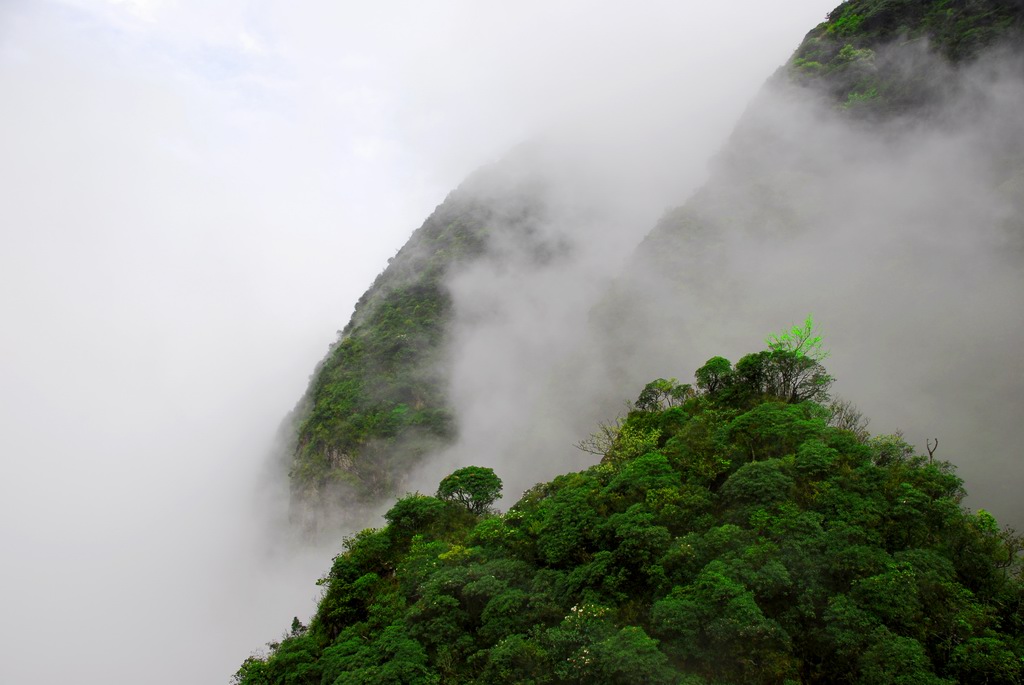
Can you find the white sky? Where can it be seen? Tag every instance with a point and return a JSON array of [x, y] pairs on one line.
[[192, 196]]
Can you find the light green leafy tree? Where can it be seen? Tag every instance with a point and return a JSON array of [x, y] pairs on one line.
[[802, 340]]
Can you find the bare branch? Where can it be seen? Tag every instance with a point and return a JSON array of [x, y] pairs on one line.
[[601, 442], [846, 416]]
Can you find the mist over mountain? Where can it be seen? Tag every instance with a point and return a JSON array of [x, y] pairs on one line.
[[197, 193], [899, 227], [874, 181], [743, 528], [485, 306]]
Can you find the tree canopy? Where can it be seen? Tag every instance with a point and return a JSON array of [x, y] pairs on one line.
[[475, 487], [732, 533]]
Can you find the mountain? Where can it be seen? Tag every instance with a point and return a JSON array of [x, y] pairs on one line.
[[376, 404], [379, 404], [735, 531], [745, 528], [499, 278]]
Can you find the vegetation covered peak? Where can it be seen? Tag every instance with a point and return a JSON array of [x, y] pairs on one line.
[[742, 529]]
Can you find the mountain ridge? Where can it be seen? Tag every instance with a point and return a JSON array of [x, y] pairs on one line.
[[732, 531]]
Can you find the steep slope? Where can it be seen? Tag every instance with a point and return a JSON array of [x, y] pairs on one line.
[[734, 532], [500, 276], [377, 403]]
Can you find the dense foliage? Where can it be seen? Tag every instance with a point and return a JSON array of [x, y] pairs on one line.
[[474, 487], [733, 532]]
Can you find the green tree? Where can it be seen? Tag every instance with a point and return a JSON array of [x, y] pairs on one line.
[[663, 394], [716, 627], [896, 660], [785, 374], [773, 429], [757, 483], [803, 341], [253, 671], [413, 514], [714, 375], [629, 656], [986, 660], [517, 659], [475, 487]]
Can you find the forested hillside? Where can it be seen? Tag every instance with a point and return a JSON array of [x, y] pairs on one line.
[[745, 528], [739, 530]]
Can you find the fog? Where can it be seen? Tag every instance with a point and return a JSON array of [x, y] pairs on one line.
[[901, 235], [195, 195]]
